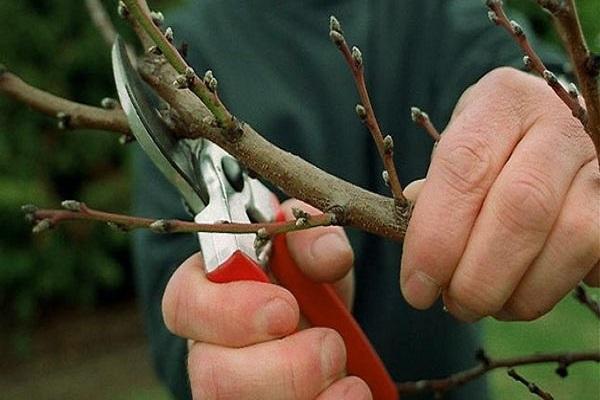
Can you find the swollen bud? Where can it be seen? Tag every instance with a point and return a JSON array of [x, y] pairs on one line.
[[71, 205], [361, 111], [334, 25], [357, 56]]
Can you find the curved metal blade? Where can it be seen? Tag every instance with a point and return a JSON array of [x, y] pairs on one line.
[[175, 159]]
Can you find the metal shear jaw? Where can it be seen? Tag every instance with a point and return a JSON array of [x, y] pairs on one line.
[[233, 197], [211, 181]]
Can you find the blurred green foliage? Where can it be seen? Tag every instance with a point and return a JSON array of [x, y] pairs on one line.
[[53, 45]]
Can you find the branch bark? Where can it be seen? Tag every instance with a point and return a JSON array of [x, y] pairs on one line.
[[71, 115], [44, 219], [586, 65], [351, 204], [487, 365]]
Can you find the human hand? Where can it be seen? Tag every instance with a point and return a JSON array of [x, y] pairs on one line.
[[507, 221], [243, 342]]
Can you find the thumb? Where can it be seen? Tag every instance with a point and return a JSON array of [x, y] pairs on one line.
[[412, 190], [323, 254]]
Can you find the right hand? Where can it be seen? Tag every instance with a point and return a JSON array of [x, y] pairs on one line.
[[243, 338]]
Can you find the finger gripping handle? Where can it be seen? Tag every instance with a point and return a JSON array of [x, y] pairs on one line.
[[321, 305]]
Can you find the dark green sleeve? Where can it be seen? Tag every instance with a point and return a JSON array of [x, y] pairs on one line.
[[278, 71]]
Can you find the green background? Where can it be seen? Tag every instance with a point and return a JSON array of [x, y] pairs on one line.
[[86, 267]]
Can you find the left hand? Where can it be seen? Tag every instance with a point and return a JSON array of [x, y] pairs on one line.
[[507, 221]]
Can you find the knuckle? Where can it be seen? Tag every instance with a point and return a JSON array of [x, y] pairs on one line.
[[527, 203], [525, 309], [478, 296], [466, 164], [508, 80], [207, 379]]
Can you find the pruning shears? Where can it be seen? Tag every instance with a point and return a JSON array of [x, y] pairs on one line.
[[216, 188]]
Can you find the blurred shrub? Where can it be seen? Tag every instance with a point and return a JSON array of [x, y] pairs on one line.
[[53, 45]]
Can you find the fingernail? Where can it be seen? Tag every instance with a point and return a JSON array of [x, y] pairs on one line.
[[420, 290], [331, 356], [274, 317], [330, 245]]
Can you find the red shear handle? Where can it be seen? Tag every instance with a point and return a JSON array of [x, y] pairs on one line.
[[238, 267], [320, 304]]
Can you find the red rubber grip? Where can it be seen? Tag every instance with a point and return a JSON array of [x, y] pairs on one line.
[[320, 304]]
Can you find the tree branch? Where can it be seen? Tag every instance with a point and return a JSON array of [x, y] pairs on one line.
[[585, 64], [70, 115], [567, 17], [44, 219], [487, 364], [102, 21], [351, 204], [584, 298], [533, 388], [365, 111], [205, 89], [422, 119]]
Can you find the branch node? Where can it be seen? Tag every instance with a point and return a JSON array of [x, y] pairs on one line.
[[357, 57], [235, 131], [108, 103], [210, 81], [64, 120], [337, 38], [493, 17], [157, 18], [122, 10], [169, 34], [361, 112], [42, 226], [386, 177], [262, 234], [160, 226], [550, 78], [71, 205], [573, 91], [528, 63], [482, 357], [516, 28], [388, 144], [301, 222], [29, 209], [155, 50], [117, 227], [299, 213], [334, 25], [126, 139], [181, 82], [592, 65]]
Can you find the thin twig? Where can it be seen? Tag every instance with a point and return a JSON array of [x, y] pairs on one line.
[[533, 61], [365, 111], [422, 119], [584, 298], [44, 219], [70, 115], [102, 21], [487, 364], [533, 388], [585, 64]]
